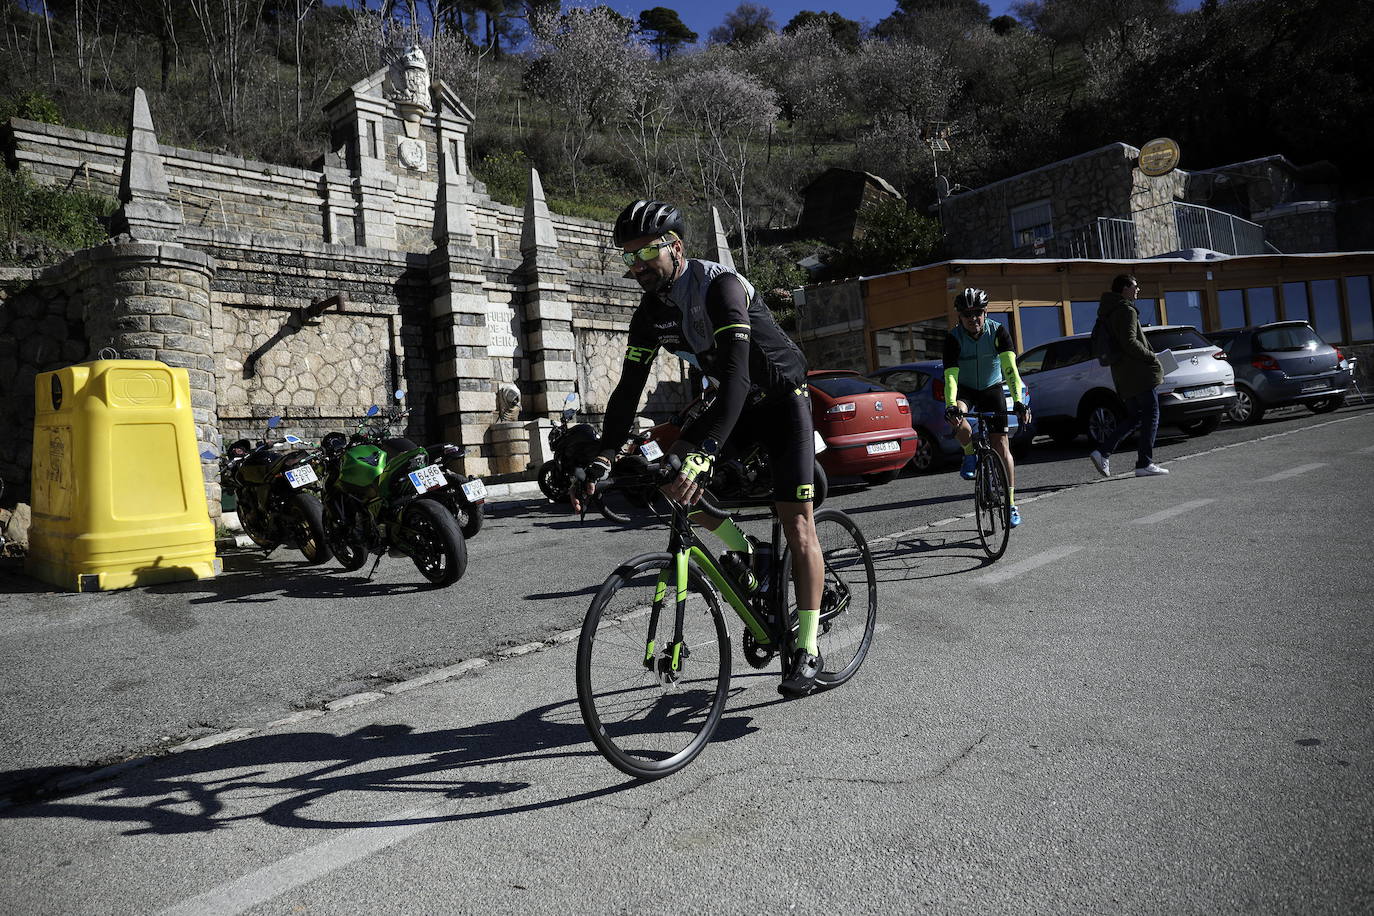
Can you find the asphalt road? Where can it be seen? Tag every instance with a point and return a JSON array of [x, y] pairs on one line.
[[1158, 701]]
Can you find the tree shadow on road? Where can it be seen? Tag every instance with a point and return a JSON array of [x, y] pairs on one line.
[[284, 778]]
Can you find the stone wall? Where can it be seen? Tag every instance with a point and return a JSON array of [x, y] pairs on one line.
[[1303, 226]]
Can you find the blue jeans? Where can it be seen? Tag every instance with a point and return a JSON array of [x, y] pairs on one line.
[[1142, 411]]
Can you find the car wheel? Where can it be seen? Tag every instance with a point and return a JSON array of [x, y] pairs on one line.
[[1102, 420], [880, 478], [1248, 408], [927, 457], [1325, 405], [1200, 427]]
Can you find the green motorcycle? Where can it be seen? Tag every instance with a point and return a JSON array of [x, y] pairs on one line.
[[381, 497]]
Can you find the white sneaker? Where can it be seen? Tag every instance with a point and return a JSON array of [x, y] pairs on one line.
[[1101, 462], [1151, 470]]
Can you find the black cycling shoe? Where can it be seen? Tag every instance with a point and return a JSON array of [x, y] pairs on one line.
[[801, 676]]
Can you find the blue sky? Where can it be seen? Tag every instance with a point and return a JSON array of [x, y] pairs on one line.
[[701, 16]]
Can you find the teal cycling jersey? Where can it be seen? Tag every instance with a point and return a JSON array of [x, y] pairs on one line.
[[976, 357]]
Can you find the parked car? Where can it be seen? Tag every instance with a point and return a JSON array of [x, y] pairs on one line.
[[1282, 363], [866, 425], [924, 385], [1072, 393]]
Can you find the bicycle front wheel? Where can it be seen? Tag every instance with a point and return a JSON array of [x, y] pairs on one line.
[[849, 597], [648, 715], [992, 507]]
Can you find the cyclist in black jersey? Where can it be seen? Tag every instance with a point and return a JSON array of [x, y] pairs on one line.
[[710, 316]]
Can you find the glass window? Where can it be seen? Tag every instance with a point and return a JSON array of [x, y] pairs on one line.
[[1031, 222], [1040, 323], [1262, 308], [1286, 337], [1295, 301], [1358, 304], [907, 380], [1084, 315], [1032, 361], [1231, 302], [1069, 352], [1176, 339], [1149, 311], [1326, 310], [839, 386], [1183, 306]]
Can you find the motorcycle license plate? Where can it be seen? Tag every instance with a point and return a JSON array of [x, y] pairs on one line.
[[428, 478], [475, 490], [882, 448], [820, 442], [651, 451], [299, 477]]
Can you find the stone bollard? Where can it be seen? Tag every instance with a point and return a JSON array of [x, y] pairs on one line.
[[540, 450], [510, 448]]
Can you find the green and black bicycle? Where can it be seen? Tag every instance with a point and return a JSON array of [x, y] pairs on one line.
[[654, 659], [991, 490]]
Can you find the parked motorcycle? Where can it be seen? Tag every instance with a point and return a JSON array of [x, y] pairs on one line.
[[380, 497], [466, 494], [274, 493], [574, 446]]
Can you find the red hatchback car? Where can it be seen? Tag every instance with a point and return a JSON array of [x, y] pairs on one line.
[[866, 425]]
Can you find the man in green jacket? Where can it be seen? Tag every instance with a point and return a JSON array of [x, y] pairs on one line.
[[1136, 372]]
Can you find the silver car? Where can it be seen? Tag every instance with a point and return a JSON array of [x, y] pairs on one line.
[[1071, 393]]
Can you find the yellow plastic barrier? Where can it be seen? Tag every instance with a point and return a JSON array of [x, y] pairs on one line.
[[118, 493]]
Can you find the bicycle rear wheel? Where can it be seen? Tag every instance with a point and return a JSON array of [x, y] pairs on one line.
[[646, 719], [992, 507], [849, 597]]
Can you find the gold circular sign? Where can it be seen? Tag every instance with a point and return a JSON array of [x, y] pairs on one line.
[[1159, 157]]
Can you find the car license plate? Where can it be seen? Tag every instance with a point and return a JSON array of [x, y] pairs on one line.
[[1210, 391], [1314, 386], [820, 442], [299, 477], [882, 448], [430, 477], [651, 451], [475, 490]]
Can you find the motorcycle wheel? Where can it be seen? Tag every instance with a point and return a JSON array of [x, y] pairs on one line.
[[549, 479], [350, 553], [612, 506], [469, 519], [432, 539], [254, 525], [307, 518]]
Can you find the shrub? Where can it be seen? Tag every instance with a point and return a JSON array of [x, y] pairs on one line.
[[62, 219]]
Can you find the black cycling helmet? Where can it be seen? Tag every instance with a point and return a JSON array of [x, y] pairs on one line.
[[647, 217], [971, 300]]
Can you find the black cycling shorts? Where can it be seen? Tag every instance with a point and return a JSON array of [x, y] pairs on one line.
[[781, 424], [992, 399]]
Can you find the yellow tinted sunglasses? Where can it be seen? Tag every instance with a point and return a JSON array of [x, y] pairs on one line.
[[647, 253]]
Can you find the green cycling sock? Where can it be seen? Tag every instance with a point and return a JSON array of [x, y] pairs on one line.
[[968, 449], [808, 622], [1011, 496]]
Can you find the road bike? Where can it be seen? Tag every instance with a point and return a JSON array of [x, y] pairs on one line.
[[991, 492], [654, 657]]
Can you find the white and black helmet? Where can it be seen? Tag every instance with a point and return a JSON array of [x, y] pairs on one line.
[[647, 217], [971, 300]]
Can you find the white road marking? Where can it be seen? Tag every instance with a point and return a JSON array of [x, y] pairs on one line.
[[305, 866], [1004, 573], [1291, 472], [1367, 449], [1170, 513]]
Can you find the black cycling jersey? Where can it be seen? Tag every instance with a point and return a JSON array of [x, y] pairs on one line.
[[712, 318]]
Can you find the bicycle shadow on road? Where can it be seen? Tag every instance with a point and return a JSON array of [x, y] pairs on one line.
[[283, 778], [252, 578]]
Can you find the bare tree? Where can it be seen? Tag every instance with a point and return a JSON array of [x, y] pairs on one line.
[[639, 134], [588, 66], [729, 112], [230, 30]]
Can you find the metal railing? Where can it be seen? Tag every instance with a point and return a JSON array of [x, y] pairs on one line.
[[1104, 237], [1203, 227]]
